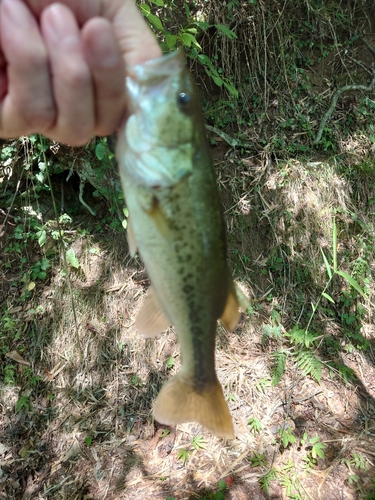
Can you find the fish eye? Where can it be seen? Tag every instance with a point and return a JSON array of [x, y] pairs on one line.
[[184, 102]]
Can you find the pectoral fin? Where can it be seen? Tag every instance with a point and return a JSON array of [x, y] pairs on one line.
[[151, 320], [236, 300], [159, 219]]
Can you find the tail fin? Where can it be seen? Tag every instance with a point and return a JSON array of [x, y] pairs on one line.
[[179, 402]]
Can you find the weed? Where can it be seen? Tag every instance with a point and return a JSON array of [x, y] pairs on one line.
[[255, 425], [287, 437], [23, 402], [183, 455], [258, 460], [198, 442]]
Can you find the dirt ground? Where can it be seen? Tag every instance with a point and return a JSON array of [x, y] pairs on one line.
[[77, 422]]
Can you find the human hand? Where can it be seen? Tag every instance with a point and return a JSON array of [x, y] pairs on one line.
[[62, 66]]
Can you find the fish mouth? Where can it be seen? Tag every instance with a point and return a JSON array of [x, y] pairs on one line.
[[160, 68]]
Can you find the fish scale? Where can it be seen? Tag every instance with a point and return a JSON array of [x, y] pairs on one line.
[[176, 222]]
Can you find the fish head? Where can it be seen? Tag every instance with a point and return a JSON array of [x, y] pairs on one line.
[[156, 144]]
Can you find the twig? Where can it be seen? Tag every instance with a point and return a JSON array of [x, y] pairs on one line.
[[234, 143], [335, 97], [369, 46], [346, 88]]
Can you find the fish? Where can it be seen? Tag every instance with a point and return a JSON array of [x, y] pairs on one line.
[[176, 224]]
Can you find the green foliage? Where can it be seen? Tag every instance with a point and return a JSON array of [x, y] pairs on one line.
[[309, 364], [23, 402], [258, 460], [170, 363], [278, 363], [187, 36], [71, 258], [266, 479], [183, 455], [287, 437], [198, 442], [9, 374], [255, 425]]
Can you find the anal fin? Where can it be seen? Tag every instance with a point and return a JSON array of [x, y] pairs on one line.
[[151, 320]]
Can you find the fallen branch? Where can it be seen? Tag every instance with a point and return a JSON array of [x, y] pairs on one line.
[[346, 88], [335, 97]]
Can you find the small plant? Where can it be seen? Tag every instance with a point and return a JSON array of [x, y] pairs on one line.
[[267, 478], [255, 425], [183, 455], [287, 437], [88, 440], [258, 460], [9, 378], [170, 363], [23, 402], [315, 449], [198, 442]]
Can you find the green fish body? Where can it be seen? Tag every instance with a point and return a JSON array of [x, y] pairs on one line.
[[177, 225]]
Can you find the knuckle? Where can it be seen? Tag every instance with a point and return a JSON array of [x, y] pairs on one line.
[[77, 76], [37, 117]]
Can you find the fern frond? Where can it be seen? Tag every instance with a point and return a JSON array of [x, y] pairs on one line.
[[271, 332], [309, 364], [278, 365]]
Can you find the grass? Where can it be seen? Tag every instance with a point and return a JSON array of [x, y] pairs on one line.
[[94, 413]]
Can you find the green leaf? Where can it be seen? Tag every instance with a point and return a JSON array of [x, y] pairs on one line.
[[145, 9], [42, 237], [328, 297], [198, 442], [159, 3], [71, 258], [351, 281], [155, 21], [328, 267], [231, 89], [88, 440], [222, 485], [278, 366], [170, 40], [100, 151], [170, 362], [188, 40], [219, 82], [227, 32], [334, 245], [44, 264]]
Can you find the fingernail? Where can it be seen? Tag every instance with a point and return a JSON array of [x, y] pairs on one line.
[[59, 24], [107, 52], [16, 13]]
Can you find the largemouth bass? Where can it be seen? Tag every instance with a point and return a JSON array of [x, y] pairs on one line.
[[176, 222]]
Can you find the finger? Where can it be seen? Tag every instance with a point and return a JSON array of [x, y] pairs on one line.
[[28, 105], [71, 79], [3, 77], [108, 71], [136, 40], [82, 9]]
